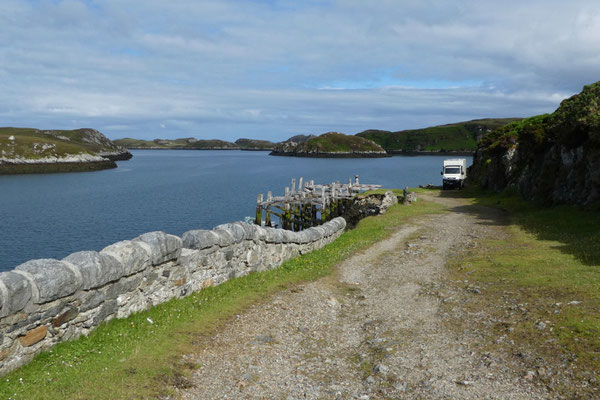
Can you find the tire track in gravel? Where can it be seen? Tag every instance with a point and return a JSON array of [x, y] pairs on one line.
[[373, 330]]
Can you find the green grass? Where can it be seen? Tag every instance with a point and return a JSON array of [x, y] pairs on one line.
[[551, 255], [134, 359]]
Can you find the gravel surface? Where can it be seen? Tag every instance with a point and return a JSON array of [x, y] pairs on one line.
[[376, 329]]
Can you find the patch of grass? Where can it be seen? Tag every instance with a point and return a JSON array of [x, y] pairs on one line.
[[140, 356], [547, 270]]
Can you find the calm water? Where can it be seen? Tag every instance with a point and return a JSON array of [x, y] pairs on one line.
[[53, 215]]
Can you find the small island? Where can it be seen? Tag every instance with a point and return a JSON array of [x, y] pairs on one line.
[[30, 151], [329, 145]]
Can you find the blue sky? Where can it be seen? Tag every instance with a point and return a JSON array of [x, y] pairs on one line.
[[273, 69]]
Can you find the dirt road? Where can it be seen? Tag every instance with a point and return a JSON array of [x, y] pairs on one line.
[[384, 326]]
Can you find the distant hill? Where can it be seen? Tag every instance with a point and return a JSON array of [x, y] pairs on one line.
[[331, 144], [28, 150], [554, 157], [177, 144], [253, 144], [458, 137]]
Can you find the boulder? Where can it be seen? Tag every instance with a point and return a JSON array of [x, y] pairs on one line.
[[53, 278], [97, 269]]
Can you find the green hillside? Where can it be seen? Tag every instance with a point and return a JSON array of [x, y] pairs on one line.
[[457, 137]]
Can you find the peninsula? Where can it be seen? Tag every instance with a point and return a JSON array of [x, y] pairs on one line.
[[27, 150]]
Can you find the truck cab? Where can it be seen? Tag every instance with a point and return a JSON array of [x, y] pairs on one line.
[[454, 173]]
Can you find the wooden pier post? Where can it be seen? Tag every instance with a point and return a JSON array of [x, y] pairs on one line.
[[258, 219]]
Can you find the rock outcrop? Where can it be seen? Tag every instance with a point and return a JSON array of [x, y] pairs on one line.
[[554, 158]]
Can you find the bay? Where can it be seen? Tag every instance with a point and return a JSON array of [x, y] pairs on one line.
[[54, 215]]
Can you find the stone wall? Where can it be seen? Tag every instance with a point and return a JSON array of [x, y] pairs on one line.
[[46, 301]]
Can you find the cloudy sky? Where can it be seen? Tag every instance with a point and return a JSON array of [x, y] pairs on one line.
[[271, 69]]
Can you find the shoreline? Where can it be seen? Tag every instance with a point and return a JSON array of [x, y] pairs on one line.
[[59, 167], [331, 155]]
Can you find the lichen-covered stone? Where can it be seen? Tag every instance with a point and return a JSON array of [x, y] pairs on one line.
[[134, 256], [200, 239], [53, 278], [274, 235], [236, 231], [18, 293], [164, 247], [225, 236], [97, 269]]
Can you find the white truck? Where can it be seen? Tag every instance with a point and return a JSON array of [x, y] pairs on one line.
[[454, 173]]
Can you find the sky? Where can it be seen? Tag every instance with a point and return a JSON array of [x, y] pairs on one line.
[[271, 69]]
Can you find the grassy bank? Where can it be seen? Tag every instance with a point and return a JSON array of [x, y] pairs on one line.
[[542, 286], [140, 357]]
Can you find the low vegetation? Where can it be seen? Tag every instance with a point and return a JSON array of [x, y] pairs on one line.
[[541, 285], [141, 356], [457, 137]]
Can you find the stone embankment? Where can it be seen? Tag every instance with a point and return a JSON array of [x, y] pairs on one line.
[[46, 301]]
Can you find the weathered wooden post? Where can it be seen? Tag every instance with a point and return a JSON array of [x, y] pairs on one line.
[[286, 220], [258, 220], [268, 210], [293, 186]]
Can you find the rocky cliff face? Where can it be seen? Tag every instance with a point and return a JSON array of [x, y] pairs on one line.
[[554, 158]]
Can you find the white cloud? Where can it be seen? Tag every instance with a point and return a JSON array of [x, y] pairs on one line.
[[272, 69]]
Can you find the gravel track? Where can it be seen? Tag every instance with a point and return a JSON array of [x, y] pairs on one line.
[[376, 329]]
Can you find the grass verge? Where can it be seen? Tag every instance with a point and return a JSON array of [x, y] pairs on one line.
[[141, 356], [542, 287]]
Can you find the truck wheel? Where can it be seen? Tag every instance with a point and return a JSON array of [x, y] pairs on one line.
[[444, 187]]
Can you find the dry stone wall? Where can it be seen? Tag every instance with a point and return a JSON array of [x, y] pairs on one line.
[[47, 301]]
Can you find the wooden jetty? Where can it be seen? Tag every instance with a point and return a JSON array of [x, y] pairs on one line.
[[309, 204]]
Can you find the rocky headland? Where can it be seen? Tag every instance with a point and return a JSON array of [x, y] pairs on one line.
[[329, 145], [553, 158], [25, 150], [458, 138]]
